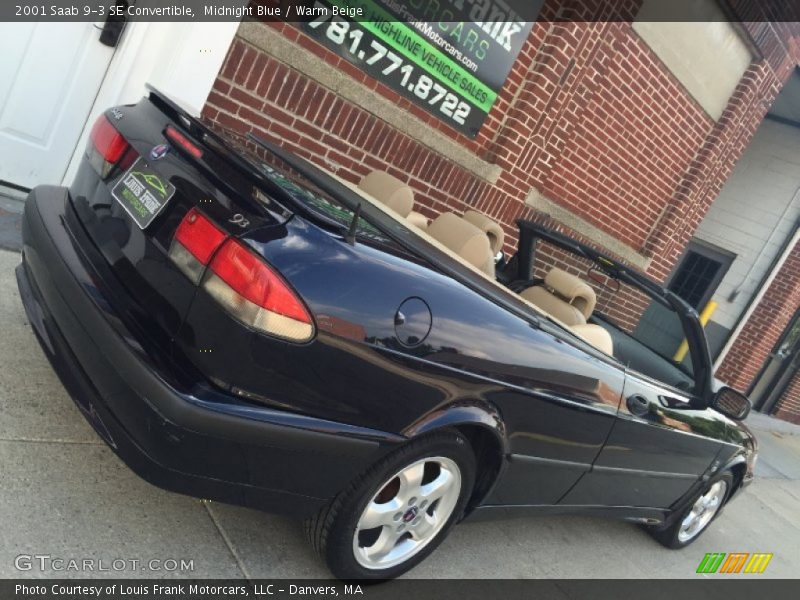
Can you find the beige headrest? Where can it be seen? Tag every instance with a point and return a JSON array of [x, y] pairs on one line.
[[573, 289], [463, 238], [553, 305], [492, 229], [417, 219], [596, 336], [389, 190]]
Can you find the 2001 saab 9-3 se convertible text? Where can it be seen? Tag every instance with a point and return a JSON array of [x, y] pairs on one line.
[[243, 326]]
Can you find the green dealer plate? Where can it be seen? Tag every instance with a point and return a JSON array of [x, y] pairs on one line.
[[143, 193]]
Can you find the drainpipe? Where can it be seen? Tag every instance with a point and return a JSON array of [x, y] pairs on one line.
[[776, 267]]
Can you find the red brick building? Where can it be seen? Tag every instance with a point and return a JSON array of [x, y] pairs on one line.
[[594, 131]]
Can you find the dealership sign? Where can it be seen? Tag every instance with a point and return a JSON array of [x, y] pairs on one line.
[[450, 57]]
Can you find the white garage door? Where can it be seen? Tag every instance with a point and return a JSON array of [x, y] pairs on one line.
[[49, 77]]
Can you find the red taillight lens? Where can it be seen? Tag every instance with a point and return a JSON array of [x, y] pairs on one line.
[[107, 146], [243, 272], [199, 235], [252, 279], [240, 281], [178, 139], [255, 294], [196, 240]]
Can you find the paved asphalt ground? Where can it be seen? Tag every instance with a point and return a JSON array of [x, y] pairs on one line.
[[63, 493]]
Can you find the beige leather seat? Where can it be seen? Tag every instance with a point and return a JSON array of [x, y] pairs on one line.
[[564, 296], [465, 239], [492, 229], [395, 194]]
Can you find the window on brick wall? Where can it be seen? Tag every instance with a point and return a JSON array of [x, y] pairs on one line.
[[706, 55], [699, 273], [695, 280]]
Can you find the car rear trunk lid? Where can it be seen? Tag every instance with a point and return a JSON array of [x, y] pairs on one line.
[[144, 173]]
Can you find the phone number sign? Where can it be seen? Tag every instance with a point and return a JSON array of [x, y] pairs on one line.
[[441, 55]]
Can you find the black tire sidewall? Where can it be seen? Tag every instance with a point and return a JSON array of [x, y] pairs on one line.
[[339, 545], [669, 536]]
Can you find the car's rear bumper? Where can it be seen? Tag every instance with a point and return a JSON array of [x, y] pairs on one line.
[[176, 431]]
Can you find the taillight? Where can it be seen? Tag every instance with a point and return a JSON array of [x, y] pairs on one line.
[[255, 294], [196, 240], [178, 139], [239, 280], [107, 146]]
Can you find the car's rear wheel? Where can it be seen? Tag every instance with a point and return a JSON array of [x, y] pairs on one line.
[[395, 515], [703, 509]]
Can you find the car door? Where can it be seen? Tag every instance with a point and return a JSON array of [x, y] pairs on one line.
[[658, 447], [559, 406]]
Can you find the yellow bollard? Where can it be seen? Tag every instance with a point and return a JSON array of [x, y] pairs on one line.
[[705, 316]]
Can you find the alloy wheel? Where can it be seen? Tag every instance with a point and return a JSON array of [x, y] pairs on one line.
[[703, 510], [407, 512]]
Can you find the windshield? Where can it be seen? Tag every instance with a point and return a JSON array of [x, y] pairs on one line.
[[647, 335]]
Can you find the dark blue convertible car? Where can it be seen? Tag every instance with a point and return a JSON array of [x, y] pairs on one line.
[[238, 324]]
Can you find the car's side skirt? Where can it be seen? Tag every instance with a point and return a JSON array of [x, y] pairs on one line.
[[636, 514]]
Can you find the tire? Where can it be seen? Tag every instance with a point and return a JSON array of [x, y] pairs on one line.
[[416, 494], [677, 535]]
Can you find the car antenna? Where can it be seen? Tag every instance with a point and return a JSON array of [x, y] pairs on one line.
[[350, 237]]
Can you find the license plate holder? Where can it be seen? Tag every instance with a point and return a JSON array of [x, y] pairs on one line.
[[143, 193]]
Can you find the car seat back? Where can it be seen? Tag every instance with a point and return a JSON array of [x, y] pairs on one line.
[[465, 239], [389, 190], [564, 296]]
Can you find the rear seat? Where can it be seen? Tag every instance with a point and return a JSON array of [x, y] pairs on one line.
[[465, 239], [492, 229], [389, 190], [473, 237]]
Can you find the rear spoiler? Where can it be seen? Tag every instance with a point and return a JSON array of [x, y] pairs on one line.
[[197, 129], [222, 148]]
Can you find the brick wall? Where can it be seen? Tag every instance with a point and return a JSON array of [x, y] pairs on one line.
[[763, 329], [622, 134], [589, 117], [788, 408]]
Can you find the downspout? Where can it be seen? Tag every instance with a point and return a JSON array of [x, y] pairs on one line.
[[765, 283]]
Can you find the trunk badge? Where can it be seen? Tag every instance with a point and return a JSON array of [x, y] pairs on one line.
[[159, 152]]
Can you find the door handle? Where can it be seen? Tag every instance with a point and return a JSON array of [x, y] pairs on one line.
[[670, 402], [638, 405]]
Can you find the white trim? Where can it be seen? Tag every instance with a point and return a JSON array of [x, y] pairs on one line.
[[756, 299]]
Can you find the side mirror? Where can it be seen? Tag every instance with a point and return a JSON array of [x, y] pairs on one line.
[[731, 403]]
